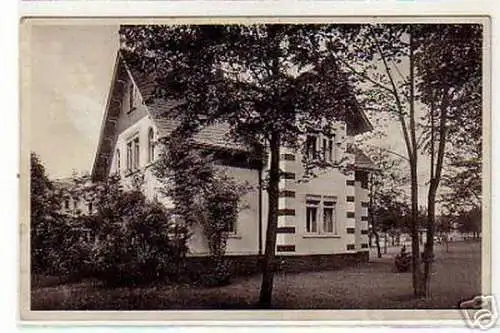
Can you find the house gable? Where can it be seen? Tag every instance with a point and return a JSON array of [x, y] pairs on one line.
[[119, 115]]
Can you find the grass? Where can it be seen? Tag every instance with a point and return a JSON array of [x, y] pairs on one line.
[[456, 276]]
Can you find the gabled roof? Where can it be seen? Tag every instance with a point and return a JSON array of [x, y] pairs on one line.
[[361, 160], [212, 136]]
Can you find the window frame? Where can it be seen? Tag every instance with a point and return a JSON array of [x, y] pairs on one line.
[[321, 204], [324, 147], [133, 154], [131, 97], [312, 223], [118, 162], [151, 145], [311, 143]]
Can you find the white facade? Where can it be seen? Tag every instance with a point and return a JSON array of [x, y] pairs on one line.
[[326, 215]]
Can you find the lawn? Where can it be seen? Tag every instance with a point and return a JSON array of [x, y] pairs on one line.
[[456, 276]]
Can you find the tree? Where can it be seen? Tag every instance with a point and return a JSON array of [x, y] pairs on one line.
[[45, 218], [270, 83], [450, 69], [409, 70], [373, 55], [470, 222], [387, 204], [201, 195]]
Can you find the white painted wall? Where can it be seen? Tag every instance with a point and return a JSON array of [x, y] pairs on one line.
[[138, 123]]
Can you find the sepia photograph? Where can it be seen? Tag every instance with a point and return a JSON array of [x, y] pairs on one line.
[[275, 165]]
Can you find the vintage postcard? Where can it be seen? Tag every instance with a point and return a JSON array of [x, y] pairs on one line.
[[330, 169]]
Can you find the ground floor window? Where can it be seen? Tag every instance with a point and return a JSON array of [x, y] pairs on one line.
[[321, 215]]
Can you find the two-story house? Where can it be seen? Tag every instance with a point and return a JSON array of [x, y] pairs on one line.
[[322, 222]]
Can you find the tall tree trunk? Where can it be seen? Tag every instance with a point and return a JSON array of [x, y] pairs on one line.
[[385, 242], [371, 214], [417, 274], [268, 267], [415, 244], [433, 187], [409, 136], [429, 244], [377, 242]]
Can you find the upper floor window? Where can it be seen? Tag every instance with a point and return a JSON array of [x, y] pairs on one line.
[[329, 148], [131, 97], [133, 150], [311, 147], [118, 161], [151, 145], [320, 146]]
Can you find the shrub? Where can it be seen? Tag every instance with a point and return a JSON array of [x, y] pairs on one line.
[[137, 242]]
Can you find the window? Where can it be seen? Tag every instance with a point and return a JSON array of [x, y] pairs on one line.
[[151, 146], [329, 225], [312, 216], [325, 205], [362, 177], [129, 156], [118, 161], [133, 154], [90, 207], [66, 203], [136, 154], [328, 149], [231, 226], [131, 97], [311, 147], [325, 152]]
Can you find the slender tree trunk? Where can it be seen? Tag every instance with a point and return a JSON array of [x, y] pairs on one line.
[[431, 200], [417, 274], [268, 267], [409, 136], [415, 244], [385, 243], [377, 243], [429, 244]]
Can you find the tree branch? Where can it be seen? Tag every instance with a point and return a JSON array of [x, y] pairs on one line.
[[394, 92], [362, 75]]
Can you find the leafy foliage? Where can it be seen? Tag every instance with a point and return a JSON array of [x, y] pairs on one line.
[[203, 195], [133, 241], [270, 83], [428, 77], [48, 230]]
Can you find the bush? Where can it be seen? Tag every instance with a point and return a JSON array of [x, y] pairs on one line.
[[139, 245], [218, 275]]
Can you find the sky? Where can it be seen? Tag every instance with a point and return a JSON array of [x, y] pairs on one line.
[[70, 77], [71, 69]]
